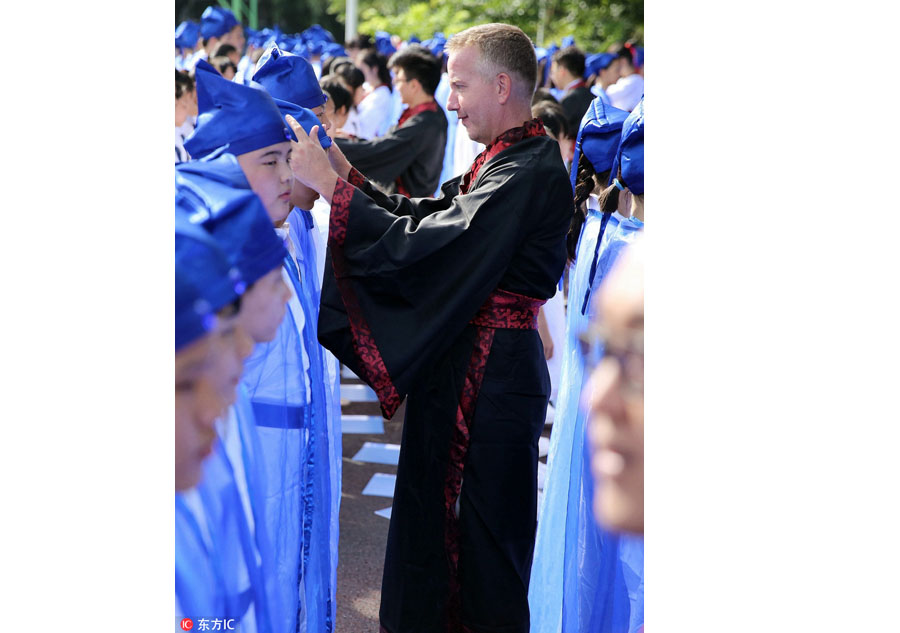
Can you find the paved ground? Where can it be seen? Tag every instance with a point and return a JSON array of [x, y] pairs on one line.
[[363, 533]]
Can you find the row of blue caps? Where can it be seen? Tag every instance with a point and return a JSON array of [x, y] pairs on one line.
[[238, 118], [224, 242], [224, 239], [611, 138], [316, 40]]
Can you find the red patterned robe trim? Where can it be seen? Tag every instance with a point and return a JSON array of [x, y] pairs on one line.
[[371, 363], [508, 138], [355, 178], [502, 310]]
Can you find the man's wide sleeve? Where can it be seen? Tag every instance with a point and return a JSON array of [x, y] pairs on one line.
[[400, 288]]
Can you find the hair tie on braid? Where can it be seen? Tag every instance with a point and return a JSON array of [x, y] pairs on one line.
[[618, 184]]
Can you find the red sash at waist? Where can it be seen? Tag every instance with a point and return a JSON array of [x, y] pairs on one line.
[[507, 310]]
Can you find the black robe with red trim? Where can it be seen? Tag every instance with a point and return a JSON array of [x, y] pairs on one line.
[[404, 280], [409, 158]]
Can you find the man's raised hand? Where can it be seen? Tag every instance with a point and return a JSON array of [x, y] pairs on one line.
[[309, 163]]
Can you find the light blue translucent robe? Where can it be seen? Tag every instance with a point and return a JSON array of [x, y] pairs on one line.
[[285, 380], [597, 91], [225, 509], [200, 586], [557, 538], [603, 573], [302, 226]]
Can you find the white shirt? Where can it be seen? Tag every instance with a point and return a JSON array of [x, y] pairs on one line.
[[352, 124], [374, 113], [464, 151], [245, 70], [181, 135], [626, 93], [190, 63], [181, 155]]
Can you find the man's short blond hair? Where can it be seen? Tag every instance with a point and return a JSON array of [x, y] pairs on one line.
[[503, 48]]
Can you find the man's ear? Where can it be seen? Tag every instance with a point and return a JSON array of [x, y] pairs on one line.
[[504, 88]]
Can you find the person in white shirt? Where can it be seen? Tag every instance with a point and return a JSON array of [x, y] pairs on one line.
[[339, 103], [626, 93], [374, 111], [353, 79], [217, 26]]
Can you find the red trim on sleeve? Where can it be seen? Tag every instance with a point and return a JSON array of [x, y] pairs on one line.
[[372, 364], [355, 178], [340, 210]]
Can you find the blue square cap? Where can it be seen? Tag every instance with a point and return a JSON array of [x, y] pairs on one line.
[[333, 50], [305, 118], [226, 207], [383, 43], [232, 117], [290, 78], [205, 282], [630, 156], [598, 137], [216, 22], [595, 63], [186, 34], [318, 32]]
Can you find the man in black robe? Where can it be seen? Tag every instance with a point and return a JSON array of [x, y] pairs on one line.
[[409, 158], [567, 73], [436, 300]]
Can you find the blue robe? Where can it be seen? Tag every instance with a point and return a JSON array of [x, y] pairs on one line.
[[603, 588], [222, 561], [285, 378], [556, 570], [301, 227]]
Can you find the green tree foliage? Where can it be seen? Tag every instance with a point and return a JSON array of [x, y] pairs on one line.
[[292, 16], [595, 24]]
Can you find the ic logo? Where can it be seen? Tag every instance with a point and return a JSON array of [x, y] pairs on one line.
[[187, 624]]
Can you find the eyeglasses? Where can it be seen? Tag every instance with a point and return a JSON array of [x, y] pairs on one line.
[[597, 344]]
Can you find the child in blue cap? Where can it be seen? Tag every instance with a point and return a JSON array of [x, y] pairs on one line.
[[186, 35], [602, 72], [291, 78], [603, 571], [209, 347], [595, 149], [243, 121], [217, 26], [292, 83], [285, 376], [231, 495]]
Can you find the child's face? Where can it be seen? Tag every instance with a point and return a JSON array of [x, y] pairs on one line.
[[269, 174], [206, 376], [263, 306], [322, 115]]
